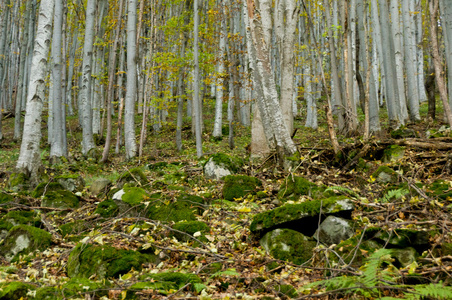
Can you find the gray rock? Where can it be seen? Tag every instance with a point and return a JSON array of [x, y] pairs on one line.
[[215, 171], [333, 230], [99, 185], [404, 256], [289, 245], [72, 183]]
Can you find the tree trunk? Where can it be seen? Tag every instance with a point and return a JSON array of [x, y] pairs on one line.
[[196, 100], [29, 158]]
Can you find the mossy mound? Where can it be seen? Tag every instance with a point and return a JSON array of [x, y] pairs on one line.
[[6, 199], [385, 174], [172, 278], [75, 228], [238, 186], [268, 220], [134, 195], [71, 182], [286, 290], [288, 245], [190, 227], [23, 239], [60, 199], [18, 181], [403, 133], [157, 166], [231, 163], [440, 189], [184, 208], [294, 187], [393, 153], [48, 293], [15, 290], [105, 261], [45, 187], [401, 238], [134, 176], [17, 217], [107, 209]]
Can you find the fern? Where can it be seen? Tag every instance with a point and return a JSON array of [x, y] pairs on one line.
[[394, 194], [434, 290]]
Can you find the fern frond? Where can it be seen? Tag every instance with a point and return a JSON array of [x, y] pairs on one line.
[[342, 190], [433, 290], [394, 194], [371, 276]]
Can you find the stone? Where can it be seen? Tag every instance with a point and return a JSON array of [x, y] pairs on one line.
[[238, 186], [23, 239], [333, 230], [404, 257], [134, 176], [288, 245], [302, 217], [220, 165], [72, 182], [100, 185], [100, 262], [393, 153], [60, 199], [385, 174]]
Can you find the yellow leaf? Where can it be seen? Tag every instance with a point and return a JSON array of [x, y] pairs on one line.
[[244, 209]]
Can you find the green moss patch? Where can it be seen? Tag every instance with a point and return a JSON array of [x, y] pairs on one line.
[[71, 182], [440, 189], [107, 209], [172, 279], [16, 217], [6, 199], [268, 220], [45, 187], [238, 186], [288, 245], [134, 176], [294, 187], [104, 261], [134, 195], [15, 290], [231, 163], [393, 153], [18, 181], [23, 239], [75, 228], [190, 227], [385, 174], [60, 199]]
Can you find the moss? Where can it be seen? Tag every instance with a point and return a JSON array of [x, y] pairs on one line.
[[75, 227], [161, 287], [190, 227], [104, 261], [134, 195], [38, 240], [132, 176], [237, 186], [402, 133], [286, 290], [17, 217], [231, 163], [440, 189], [391, 175], [60, 199], [288, 245], [175, 211], [294, 187], [348, 251], [157, 166], [107, 209], [48, 293], [265, 221], [393, 153], [446, 249], [212, 268], [400, 238], [80, 286], [6, 198], [18, 180], [45, 187], [15, 290], [179, 279], [71, 182]]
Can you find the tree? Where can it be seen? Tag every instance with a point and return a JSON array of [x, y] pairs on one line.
[[29, 158], [196, 100]]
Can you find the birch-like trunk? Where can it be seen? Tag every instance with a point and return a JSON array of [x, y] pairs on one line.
[[131, 86], [85, 89], [29, 158], [196, 100], [217, 132]]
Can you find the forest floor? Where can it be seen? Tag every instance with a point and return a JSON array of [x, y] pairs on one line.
[[245, 272]]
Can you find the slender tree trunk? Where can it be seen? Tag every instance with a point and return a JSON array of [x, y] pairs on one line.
[[131, 87], [433, 7], [196, 100], [29, 158], [217, 128]]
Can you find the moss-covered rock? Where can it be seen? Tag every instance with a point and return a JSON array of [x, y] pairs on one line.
[[302, 216], [403, 133], [15, 290], [288, 245], [17, 217], [184, 208], [404, 257], [440, 189], [286, 290], [393, 153], [80, 287], [355, 250], [71, 182], [75, 228], [107, 209], [48, 293], [100, 187], [190, 227], [173, 278], [45, 187], [18, 181], [294, 187], [104, 261], [6, 199], [400, 238], [219, 165], [23, 239], [333, 230], [134, 176], [60, 199], [385, 174], [157, 166], [237, 186]]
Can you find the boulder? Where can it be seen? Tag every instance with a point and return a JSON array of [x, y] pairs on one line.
[[134, 176], [18, 182], [302, 217], [45, 187], [238, 186], [107, 209], [385, 174], [88, 260], [288, 245], [99, 186], [400, 238], [220, 165], [129, 200], [17, 217], [184, 208], [333, 230], [72, 182], [60, 199], [23, 239], [404, 257]]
